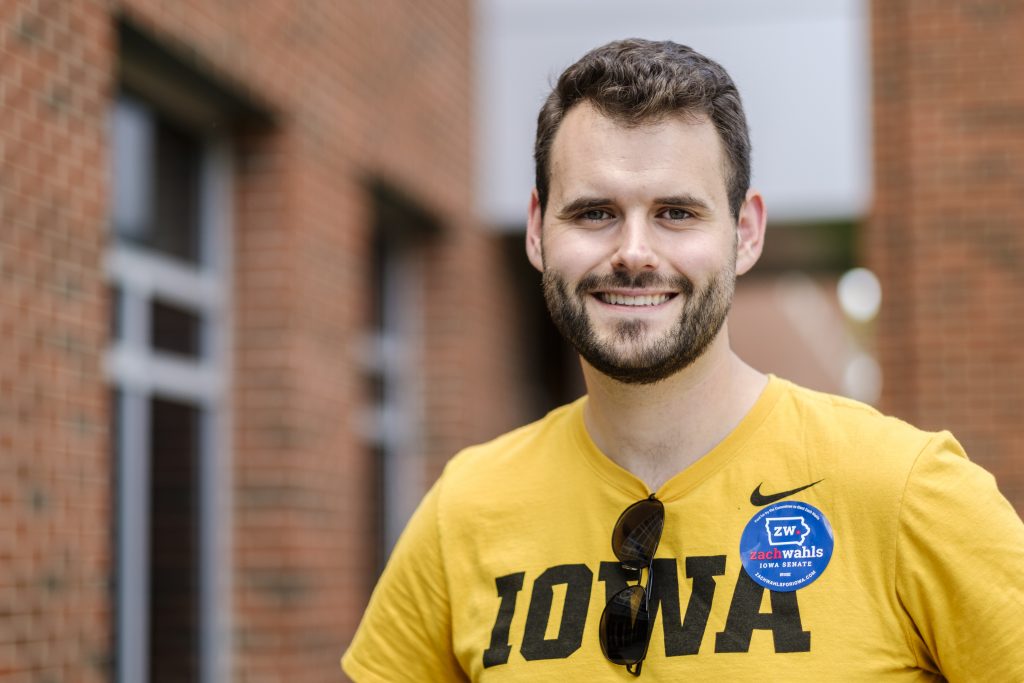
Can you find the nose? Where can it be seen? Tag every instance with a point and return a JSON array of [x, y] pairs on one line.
[[634, 251]]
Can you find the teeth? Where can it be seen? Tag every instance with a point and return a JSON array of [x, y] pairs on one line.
[[622, 300]]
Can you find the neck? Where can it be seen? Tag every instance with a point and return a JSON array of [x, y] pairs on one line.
[[657, 430]]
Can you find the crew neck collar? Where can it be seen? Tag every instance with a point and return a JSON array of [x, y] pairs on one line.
[[685, 481]]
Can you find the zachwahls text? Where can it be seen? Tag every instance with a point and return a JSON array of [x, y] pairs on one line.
[[683, 635]]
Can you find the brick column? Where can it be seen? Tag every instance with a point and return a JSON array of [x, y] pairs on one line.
[[945, 234], [55, 470]]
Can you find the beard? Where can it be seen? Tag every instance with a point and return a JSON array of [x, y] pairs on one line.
[[628, 355]]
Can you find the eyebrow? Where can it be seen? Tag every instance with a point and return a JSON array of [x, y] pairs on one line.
[[686, 200], [582, 204]]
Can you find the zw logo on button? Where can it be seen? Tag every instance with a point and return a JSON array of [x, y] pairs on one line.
[[786, 546], [786, 530]]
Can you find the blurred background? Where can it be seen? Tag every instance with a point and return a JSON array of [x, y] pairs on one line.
[[262, 274]]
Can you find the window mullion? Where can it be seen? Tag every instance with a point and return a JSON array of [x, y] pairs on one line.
[[133, 497]]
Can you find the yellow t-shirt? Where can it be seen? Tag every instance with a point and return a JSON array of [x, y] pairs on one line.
[[504, 570]]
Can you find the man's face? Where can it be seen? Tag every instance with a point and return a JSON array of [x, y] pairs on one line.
[[637, 245]]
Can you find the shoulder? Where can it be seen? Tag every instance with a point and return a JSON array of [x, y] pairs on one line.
[[874, 454], [517, 459], [841, 421], [816, 404]]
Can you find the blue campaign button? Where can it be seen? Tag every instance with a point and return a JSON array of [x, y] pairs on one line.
[[786, 546]]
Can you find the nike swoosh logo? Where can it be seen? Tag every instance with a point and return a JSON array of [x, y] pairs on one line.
[[756, 498]]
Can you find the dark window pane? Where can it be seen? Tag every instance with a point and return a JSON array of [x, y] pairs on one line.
[[116, 301], [157, 166], [176, 228], [174, 541], [175, 329]]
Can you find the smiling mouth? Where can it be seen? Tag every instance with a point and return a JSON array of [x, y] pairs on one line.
[[626, 300]]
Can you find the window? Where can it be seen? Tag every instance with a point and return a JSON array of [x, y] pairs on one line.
[[392, 361], [397, 386], [167, 269]]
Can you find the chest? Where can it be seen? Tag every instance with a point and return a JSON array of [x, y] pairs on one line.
[[529, 604]]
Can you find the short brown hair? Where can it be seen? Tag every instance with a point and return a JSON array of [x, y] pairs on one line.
[[636, 81]]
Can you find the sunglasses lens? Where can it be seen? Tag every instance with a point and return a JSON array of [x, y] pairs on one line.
[[625, 625], [637, 533]]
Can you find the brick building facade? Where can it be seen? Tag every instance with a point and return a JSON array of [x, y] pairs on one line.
[[321, 154], [945, 236], [247, 378]]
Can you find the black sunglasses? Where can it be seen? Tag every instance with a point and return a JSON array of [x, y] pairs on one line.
[[626, 620]]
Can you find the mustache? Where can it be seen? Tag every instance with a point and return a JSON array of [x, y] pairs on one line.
[[642, 280]]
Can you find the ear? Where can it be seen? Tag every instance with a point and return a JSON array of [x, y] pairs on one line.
[[534, 225], [750, 231]]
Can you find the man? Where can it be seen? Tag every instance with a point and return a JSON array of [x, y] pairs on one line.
[[690, 518]]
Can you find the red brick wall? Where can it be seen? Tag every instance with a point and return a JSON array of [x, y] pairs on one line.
[[945, 235], [359, 90], [55, 482]]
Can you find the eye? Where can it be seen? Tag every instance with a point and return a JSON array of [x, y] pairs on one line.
[[676, 214], [595, 215]]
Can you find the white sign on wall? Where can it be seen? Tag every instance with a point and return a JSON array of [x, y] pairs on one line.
[[802, 67]]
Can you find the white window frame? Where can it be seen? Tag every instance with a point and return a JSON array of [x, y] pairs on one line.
[[400, 417], [140, 373], [393, 354]]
